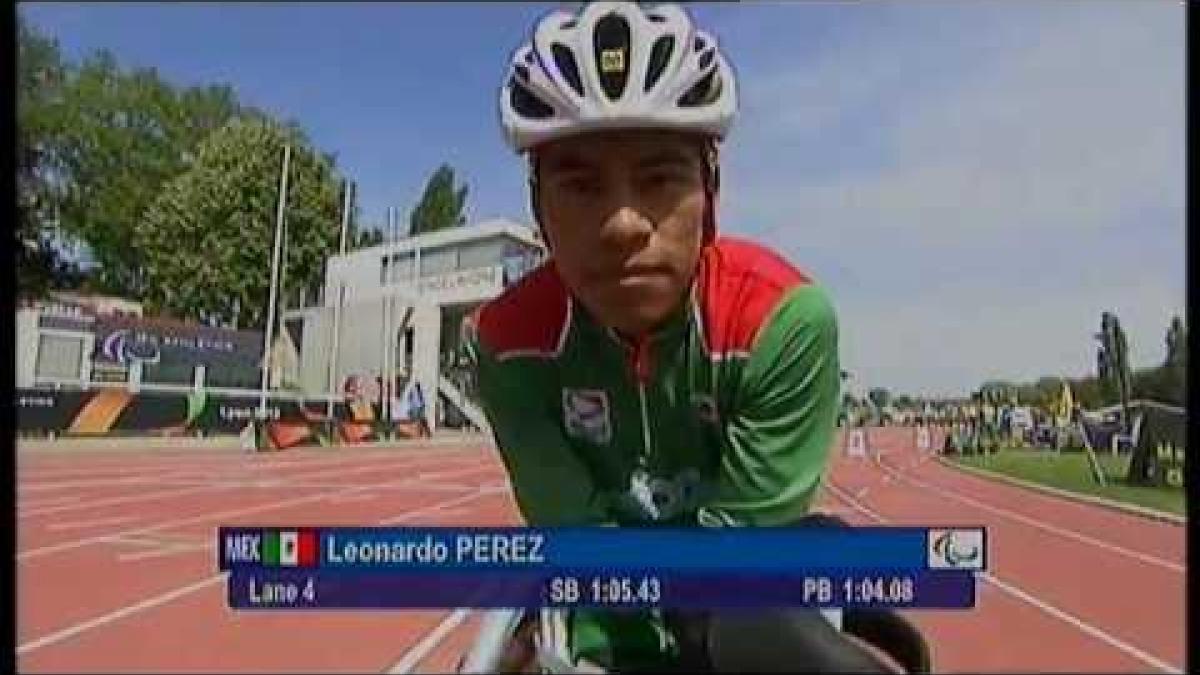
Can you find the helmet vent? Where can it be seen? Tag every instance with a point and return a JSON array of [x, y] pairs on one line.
[[616, 66], [704, 92], [565, 60], [525, 103], [611, 41], [660, 55]]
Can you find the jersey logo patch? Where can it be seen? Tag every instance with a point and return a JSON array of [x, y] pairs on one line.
[[586, 415]]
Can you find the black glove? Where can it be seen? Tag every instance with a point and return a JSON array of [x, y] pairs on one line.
[[891, 632], [797, 640], [785, 641], [690, 629]]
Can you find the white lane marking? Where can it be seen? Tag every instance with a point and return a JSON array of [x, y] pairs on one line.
[[1053, 529], [251, 464], [326, 471], [82, 524], [1030, 599], [157, 600], [203, 517], [1082, 625], [164, 551], [121, 466], [116, 500], [53, 501], [94, 482], [118, 614], [219, 515], [227, 482], [854, 503], [438, 507], [346, 499], [160, 539], [431, 640]]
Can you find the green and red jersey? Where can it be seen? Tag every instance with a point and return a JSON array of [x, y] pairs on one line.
[[722, 417]]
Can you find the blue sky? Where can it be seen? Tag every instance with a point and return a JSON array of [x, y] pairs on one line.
[[964, 176]]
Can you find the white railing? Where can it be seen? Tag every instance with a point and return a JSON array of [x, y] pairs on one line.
[[285, 394], [465, 405]]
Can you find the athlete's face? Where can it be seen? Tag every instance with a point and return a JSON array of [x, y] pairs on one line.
[[623, 213]]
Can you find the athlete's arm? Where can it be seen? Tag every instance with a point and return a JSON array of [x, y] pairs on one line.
[[552, 486], [777, 439]]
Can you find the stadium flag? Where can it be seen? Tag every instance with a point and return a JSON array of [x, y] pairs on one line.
[[1065, 405], [290, 548]]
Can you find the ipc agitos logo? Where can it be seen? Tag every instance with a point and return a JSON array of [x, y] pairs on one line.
[[956, 549], [124, 346]]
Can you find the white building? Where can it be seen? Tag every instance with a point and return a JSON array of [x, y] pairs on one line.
[[401, 311], [98, 304]]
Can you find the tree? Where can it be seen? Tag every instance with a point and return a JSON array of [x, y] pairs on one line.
[[207, 240], [1113, 361], [40, 82], [1045, 392], [121, 136], [1176, 362], [998, 391], [1176, 345], [441, 205], [1156, 384], [1089, 393]]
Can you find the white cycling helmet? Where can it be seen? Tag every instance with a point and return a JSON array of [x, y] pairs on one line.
[[616, 65]]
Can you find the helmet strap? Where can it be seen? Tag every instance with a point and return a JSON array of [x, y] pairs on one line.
[[534, 201], [712, 185]]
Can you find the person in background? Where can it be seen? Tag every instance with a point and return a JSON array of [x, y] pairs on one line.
[[416, 409]]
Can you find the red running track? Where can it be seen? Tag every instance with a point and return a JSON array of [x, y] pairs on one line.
[[117, 571], [1070, 587], [116, 568]]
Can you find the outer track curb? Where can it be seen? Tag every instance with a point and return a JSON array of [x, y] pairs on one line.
[[1129, 509], [225, 442]]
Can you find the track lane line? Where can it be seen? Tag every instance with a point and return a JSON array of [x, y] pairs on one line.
[[164, 598], [432, 639], [321, 470], [118, 614], [331, 470], [1016, 592], [204, 517], [1012, 515]]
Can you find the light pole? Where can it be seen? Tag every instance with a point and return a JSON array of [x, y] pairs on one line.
[[270, 332]]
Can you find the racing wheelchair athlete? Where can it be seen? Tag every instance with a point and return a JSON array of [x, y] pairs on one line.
[[651, 372]]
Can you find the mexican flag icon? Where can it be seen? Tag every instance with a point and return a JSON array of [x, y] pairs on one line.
[[290, 548]]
